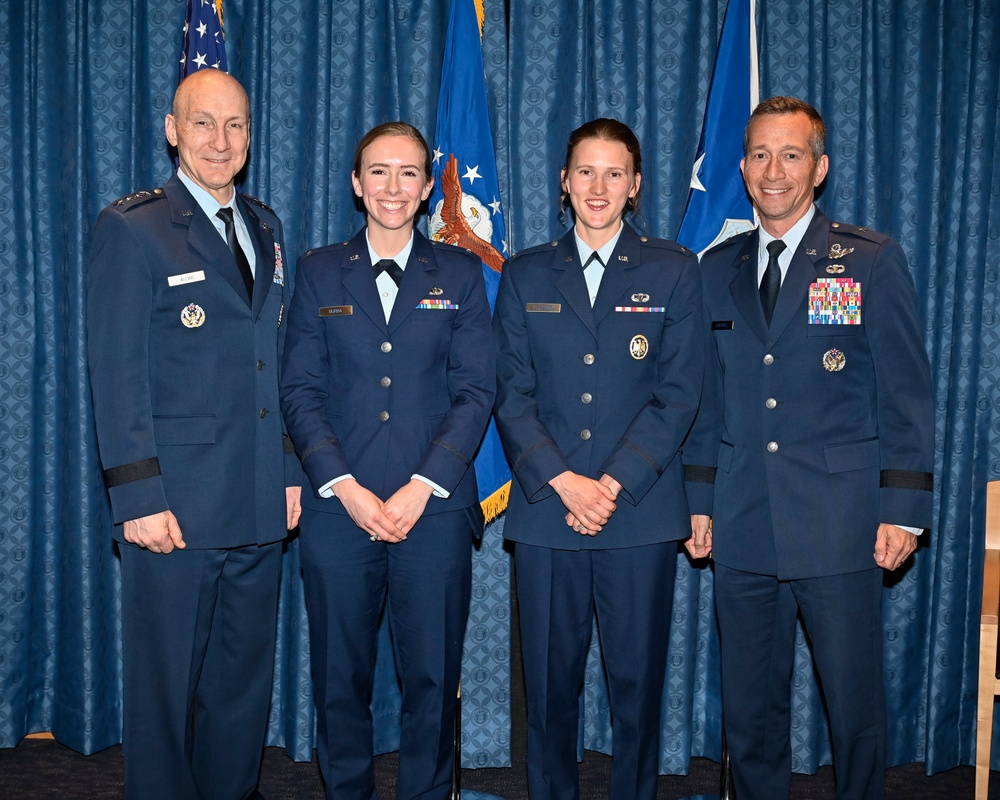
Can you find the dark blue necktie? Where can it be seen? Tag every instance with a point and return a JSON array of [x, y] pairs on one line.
[[771, 283], [390, 268], [226, 215]]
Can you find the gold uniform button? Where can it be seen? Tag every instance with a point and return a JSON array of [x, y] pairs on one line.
[[589, 359], [771, 402], [383, 416], [386, 382], [386, 347], [772, 447], [586, 397], [768, 359], [585, 434]]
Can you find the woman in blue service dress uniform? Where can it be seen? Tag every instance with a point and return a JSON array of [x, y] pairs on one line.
[[388, 381], [599, 371]]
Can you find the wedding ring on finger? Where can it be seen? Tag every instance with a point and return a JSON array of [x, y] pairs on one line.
[[373, 537]]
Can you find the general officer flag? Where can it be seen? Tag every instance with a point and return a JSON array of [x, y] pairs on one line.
[[204, 43], [718, 206], [465, 204]]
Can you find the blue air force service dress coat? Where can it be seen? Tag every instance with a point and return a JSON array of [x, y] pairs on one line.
[[610, 389], [817, 429], [383, 401], [185, 370]]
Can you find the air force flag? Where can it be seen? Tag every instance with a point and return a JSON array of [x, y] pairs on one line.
[[465, 204], [718, 206]]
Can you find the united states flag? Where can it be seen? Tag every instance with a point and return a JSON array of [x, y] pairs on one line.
[[204, 43]]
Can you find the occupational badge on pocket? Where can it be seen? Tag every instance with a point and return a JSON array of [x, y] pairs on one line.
[[638, 347], [834, 360], [193, 316]]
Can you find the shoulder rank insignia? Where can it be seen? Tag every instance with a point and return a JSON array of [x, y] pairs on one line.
[[251, 199], [136, 197]]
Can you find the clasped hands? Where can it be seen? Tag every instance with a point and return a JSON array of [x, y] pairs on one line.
[[590, 502], [390, 521]]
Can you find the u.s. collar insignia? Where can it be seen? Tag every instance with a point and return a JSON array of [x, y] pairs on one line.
[[187, 213], [267, 227], [835, 269], [355, 257], [811, 251], [834, 360], [638, 347], [436, 290], [623, 258], [640, 297], [421, 259], [193, 316], [838, 251]]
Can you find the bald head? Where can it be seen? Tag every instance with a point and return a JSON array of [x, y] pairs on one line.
[[210, 127], [206, 77]]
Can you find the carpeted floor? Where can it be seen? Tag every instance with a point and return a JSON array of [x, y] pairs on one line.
[[40, 769]]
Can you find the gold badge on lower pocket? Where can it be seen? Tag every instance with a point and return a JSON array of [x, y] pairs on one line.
[[834, 360], [193, 316], [638, 347]]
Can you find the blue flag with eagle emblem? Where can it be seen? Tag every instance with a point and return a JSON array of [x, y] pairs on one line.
[[718, 206], [204, 43], [465, 204]]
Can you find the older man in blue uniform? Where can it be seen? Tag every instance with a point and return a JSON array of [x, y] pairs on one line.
[[812, 454], [186, 292]]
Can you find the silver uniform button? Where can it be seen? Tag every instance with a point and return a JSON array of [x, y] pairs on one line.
[[585, 434], [771, 402], [586, 397], [386, 382], [769, 359], [383, 416], [386, 347], [772, 447], [263, 413], [589, 358]]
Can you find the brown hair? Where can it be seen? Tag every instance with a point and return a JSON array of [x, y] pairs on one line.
[[790, 105], [609, 130], [392, 129]]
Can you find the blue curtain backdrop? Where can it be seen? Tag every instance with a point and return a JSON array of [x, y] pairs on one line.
[[909, 89]]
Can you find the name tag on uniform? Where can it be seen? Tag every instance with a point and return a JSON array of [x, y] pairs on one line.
[[336, 311], [544, 308], [187, 277], [722, 324]]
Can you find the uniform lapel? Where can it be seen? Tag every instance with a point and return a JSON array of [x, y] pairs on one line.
[[617, 278], [360, 279], [571, 283], [743, 288], [202, 235], [262, 237], [801, 274], [417, 281]]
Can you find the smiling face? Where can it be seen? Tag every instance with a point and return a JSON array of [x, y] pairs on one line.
[[599, 179], [779, 169], [210, 127], [392, 185]]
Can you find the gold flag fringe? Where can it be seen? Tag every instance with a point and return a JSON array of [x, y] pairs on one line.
[[496, 503]]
